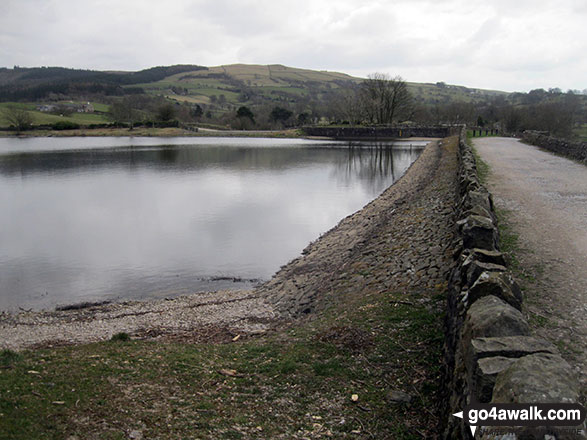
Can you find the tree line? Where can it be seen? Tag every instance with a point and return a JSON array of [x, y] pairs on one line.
[[380, 99]]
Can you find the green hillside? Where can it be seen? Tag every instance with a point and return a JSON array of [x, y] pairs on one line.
[[241, 84], [223, 86], [211, 97], [248, 83]]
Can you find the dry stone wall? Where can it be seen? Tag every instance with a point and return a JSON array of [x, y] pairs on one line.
[[490, 354], [350, 133], [572, 150]]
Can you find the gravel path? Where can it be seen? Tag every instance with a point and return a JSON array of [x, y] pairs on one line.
[[546, 197]]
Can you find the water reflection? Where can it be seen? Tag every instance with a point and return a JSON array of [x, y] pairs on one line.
[[375, 164], [363, 161], [86, 223]]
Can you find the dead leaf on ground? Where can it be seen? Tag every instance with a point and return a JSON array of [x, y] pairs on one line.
[[229, 372]]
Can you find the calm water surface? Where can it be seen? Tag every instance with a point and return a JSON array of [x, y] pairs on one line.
[[93, 219]]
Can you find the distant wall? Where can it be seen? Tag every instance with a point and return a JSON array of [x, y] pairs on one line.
[[355, 133], [572, 150], [490, 355]]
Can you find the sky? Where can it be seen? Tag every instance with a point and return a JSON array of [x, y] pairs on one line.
[[510, 45]]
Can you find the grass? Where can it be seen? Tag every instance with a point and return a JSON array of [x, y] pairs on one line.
[[483, 168], [293, 383], [120, 337], [162, 132], [581, 132], [41, 118]]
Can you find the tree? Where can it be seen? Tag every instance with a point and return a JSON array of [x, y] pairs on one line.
[[346, 106], [280, 114], [122, 112], [17, 117], [197, 111], [245, 118], [166, 112], [384, 99], [245, 112], [303, 118]]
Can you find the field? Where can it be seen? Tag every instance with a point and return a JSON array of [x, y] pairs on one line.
[[581, 133], [236, 85], [442, 93], [278, 83], [41, 118]]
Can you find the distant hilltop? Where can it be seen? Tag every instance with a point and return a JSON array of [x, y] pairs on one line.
[[199, 84]]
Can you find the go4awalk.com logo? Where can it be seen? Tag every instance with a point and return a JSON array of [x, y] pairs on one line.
[[523, 414]]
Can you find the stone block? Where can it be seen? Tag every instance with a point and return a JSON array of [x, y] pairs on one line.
[[537, 378], [508, 346], [490, 317], [500, 284], [478, 210], [485, 358], [488, 256], [485, 374], [472, 270], [480, 197], [478, 232]]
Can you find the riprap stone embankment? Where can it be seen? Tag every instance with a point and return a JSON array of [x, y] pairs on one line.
[[400, 241]]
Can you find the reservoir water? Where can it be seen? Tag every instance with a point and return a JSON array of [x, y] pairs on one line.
[[102, 219]]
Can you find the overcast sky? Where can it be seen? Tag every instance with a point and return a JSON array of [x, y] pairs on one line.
[[512, 45]]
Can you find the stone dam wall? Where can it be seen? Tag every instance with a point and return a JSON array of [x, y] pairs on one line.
[[572, 150], [354, 133], [490, 354]]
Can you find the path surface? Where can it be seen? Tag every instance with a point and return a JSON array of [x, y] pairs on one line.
[[546, 199]]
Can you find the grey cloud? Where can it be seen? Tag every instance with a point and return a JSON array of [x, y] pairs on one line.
[[450, 40]]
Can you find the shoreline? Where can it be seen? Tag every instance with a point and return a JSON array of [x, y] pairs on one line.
[[151, 132], [290, 293], [202, 132]]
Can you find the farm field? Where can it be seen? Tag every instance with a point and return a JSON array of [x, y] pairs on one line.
[[44, 118]]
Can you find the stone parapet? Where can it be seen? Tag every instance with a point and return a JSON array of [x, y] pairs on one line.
[[362, 133], [572, 150]]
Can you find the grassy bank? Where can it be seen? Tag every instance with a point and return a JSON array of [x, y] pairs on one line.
[[294, 383]]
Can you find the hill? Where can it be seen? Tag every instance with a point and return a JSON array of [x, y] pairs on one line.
[[212, 95], [249, 83], [228, 85]]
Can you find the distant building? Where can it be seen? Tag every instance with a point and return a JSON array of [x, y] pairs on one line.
[[66, 107], [46, 108], [86, 108]]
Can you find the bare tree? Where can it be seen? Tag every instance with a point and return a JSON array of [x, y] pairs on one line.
[[122, 112], [383, 98], [17, 117], [347, 106]]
